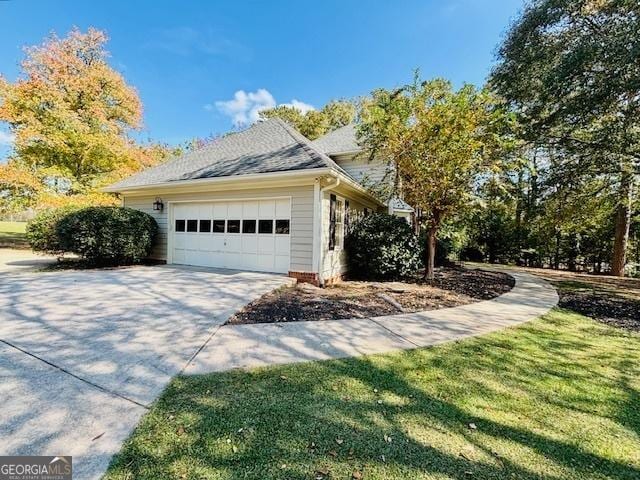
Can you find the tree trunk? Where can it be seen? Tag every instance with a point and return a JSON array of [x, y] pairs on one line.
[[556, 254], [519, 212], [623, 222], [430, 261], [572, 256]]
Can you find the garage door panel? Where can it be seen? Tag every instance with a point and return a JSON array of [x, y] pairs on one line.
[[250, 210], [191, 241], [233, 244], [234, 210], [249, 261], [219, 211], [283, 208], [233, 260], [217, 243], [203, 242], [282, 245], [266, 263], [267, 209], [199, 245], [192, 257], [217, 259], [281, 264], [249, 244], [191, 211], [178, 256], [179, 240], [180, 211], [205, 210], [266, 244]]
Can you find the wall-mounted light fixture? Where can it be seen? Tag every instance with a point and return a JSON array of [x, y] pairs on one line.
[[158, 206]]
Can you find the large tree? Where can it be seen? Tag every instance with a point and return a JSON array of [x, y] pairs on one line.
[[69, 109], [439, 141], [571, 69], [315, 123], [70, 113]]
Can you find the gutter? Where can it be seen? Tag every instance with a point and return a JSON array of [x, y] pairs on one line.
[[344, 152], [356, 186], [310, 172]]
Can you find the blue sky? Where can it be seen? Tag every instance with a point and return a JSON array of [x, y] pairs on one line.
[[187, 58]]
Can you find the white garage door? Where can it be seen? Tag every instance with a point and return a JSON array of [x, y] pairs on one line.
[[243, 235]]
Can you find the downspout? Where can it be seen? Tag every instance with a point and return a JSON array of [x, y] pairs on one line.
[[320, 229]]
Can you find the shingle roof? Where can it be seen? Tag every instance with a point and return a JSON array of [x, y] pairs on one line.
[[399, 204], [268, 146], [342, 140]]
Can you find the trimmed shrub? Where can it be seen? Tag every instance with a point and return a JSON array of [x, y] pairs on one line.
[[381, 247], [107, 235], [41, 230]]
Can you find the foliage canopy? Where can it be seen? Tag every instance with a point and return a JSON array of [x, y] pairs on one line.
[[439, 140], [315, 123]]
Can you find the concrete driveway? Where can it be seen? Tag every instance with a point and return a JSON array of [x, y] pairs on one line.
[[84, 353], [14, 260]]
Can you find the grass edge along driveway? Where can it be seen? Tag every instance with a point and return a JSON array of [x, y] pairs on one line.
[[556, 398], [13, 234]]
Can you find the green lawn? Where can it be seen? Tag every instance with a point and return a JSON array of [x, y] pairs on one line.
[[557, 398], [12, 233]]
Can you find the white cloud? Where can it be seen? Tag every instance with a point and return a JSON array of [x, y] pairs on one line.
[[6, 138], [245, 107], [297, 104]]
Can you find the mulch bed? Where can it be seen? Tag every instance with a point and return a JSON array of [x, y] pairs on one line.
[[452, 286], [607, 308]]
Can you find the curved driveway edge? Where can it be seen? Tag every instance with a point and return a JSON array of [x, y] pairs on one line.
[[242, 346], [83, 353]]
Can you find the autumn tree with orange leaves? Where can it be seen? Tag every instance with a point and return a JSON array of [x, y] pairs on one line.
[[70, 113]]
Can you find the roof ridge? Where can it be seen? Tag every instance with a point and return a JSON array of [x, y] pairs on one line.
[[270, 145], [341, 140], [308, 145]]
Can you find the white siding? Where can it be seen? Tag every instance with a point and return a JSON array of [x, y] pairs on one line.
[[301, 216], [334, 262]]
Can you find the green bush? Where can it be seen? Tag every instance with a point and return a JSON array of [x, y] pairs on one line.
[[108, 235], [41, 230], [381, 247]]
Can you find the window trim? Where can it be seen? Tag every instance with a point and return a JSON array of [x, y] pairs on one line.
[[340, 209], [246, 222], [224, 226], [337, 209], [200, 220], [275, 226], [239, 226], [189, 220], [271, 224]]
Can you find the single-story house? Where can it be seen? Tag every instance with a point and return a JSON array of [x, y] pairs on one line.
[[263, 199]]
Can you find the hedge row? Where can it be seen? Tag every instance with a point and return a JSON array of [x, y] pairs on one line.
[[103, 236]]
